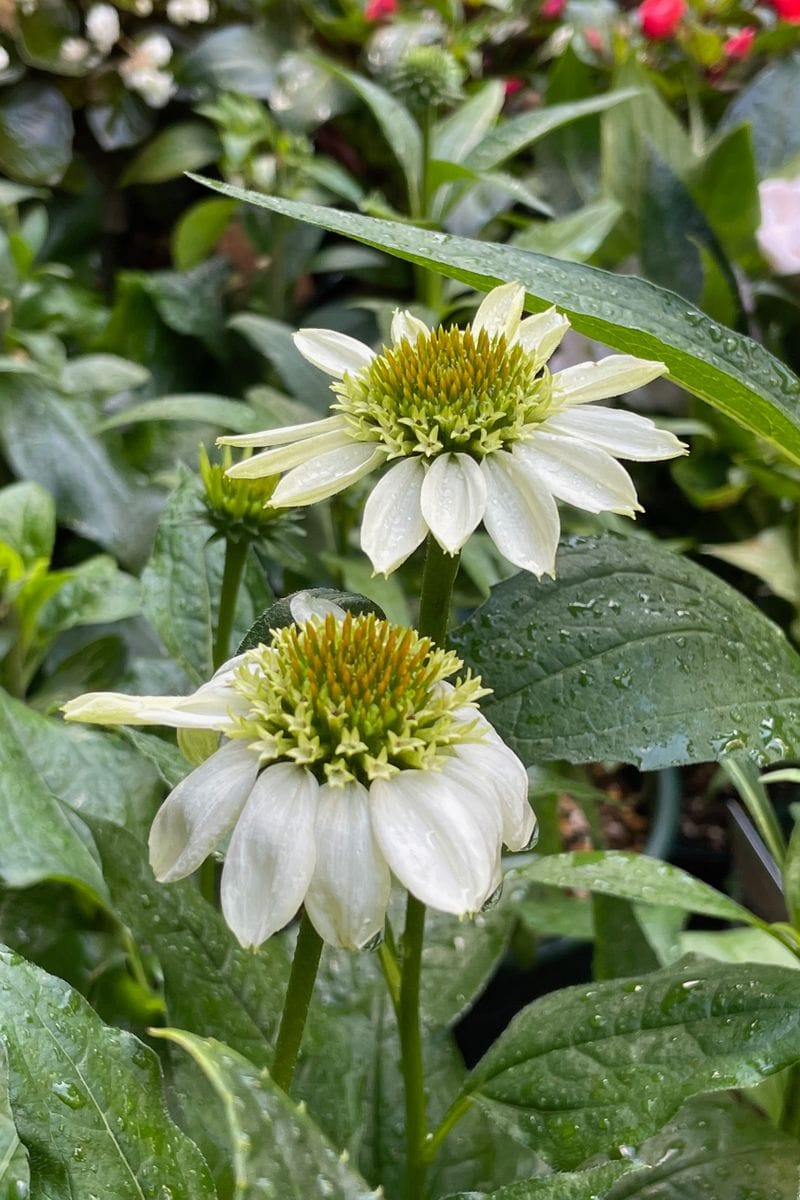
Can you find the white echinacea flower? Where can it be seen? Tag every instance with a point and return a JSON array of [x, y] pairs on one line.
[[346, 757], [476, 429]]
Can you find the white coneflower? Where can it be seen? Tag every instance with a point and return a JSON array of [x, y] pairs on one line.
[[143, 70], [187, 12], [102, 26], [476, 429], [346, 757]]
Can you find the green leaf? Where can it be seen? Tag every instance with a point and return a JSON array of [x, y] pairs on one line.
[[236, 58], [102, 375], [632, 653], [198, 231], [621, 947], [575, 237], [717, 1148], [791, 876], [183, 579], [725, 187], [738, 946], [460, 958], [211, 986], [273, 339], [277, 1149], [28, 520], [190, 406], [96, 592], [35, 132], [87, 1098], [636, 877], [581, 1185], [15, 1175], [732, 372], [457, 135], [586, 1070], [185, 146], [769, 104]]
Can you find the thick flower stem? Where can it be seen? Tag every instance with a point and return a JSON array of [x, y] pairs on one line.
[[235, 558], [295, 1006], [411, 1047], [438, 578]]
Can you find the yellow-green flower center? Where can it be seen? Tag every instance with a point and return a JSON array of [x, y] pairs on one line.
[[353, 699], [447, 391]]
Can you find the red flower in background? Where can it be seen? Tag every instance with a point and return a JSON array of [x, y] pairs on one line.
[[788, 10], [374, 10], [740, 44], [551, 10], [660, 18], [513, 85]]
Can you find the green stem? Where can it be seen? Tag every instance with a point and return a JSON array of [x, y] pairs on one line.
[[411, 1047], [207, 880], [790, 1112], [235, 558], [438, 578], [429, 283], [295, 1006], [451, 1118]]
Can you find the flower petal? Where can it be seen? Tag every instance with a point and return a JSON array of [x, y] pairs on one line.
[[610, 376], [582, 475], [406, 325], [393, 525], [521, 515], [334, 353], [541, 335], [434, 842], [453, 499], [285, 433], [198, 813], [306, 606], [207, 708], [500, 311], [328, 474], [283, 458], [271, 856], [623, 434], [349, 891], [496, 770]]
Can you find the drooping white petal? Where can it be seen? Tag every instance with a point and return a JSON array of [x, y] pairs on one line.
[[207, 708], [284, 458], [284, 434], [406, 325], [349, 891], [334, 353], [500, 311], [541, 334], [305, 606], [198, 813], [521, 516], [272, 852], [610, 376], [453, 499], [582, 475], [623, 434], [496, 770], [433, 841], [393, 525], [328, 474]]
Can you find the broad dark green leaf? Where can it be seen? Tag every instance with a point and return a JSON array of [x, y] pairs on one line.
[[277, 1149], [35, 132], [95, 592], [715, 1148], [636, 877], [732, 372], [183, 579], [185, 146], [87, 1099], [621, 947], [587, 1069], [28, 520], [567, 1185], [769, 104], [632, 653], [211, 986], [15, 1177]]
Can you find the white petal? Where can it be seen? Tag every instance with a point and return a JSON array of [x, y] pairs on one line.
[[207, 708], [623, 434], [582, 475], [198, 813], [393, 525], [334, 353], [433, 841], [453, 499], [284, 458], [271, 856], [494, 768], [349, 891], [500, 311], [305, 606], [406, 325], [541, 335], [322, 477], [610, 376], [521, 515], [284, 434]]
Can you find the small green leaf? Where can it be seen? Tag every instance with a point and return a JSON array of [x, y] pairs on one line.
[[725, 187], [277, 1149], [87, 1098], [15, 1177], [456, 136], [580, 1185], [791, 876], [575, 237], [273, 339], [236, 58], [185, 146], [768, 104], [35, 132], [28, 520], [632, 653], [102, 375], [636, 877], [588, 1069], [198, 231]]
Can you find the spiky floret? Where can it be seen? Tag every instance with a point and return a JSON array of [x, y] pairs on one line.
[[448, 390], [354, 699]]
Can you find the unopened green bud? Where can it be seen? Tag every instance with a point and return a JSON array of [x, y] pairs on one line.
[[427, 77], [238, 508]]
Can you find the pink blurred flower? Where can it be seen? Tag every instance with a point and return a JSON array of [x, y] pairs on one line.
[[595, 39], [778, 234], [513, 85], [551, 10], [660, 18], [740, 44], [788, 10], [375, 10]]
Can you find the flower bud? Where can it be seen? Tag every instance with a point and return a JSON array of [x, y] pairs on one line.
[[238, 508], [661, 18], [427, 77], [740, 44]]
